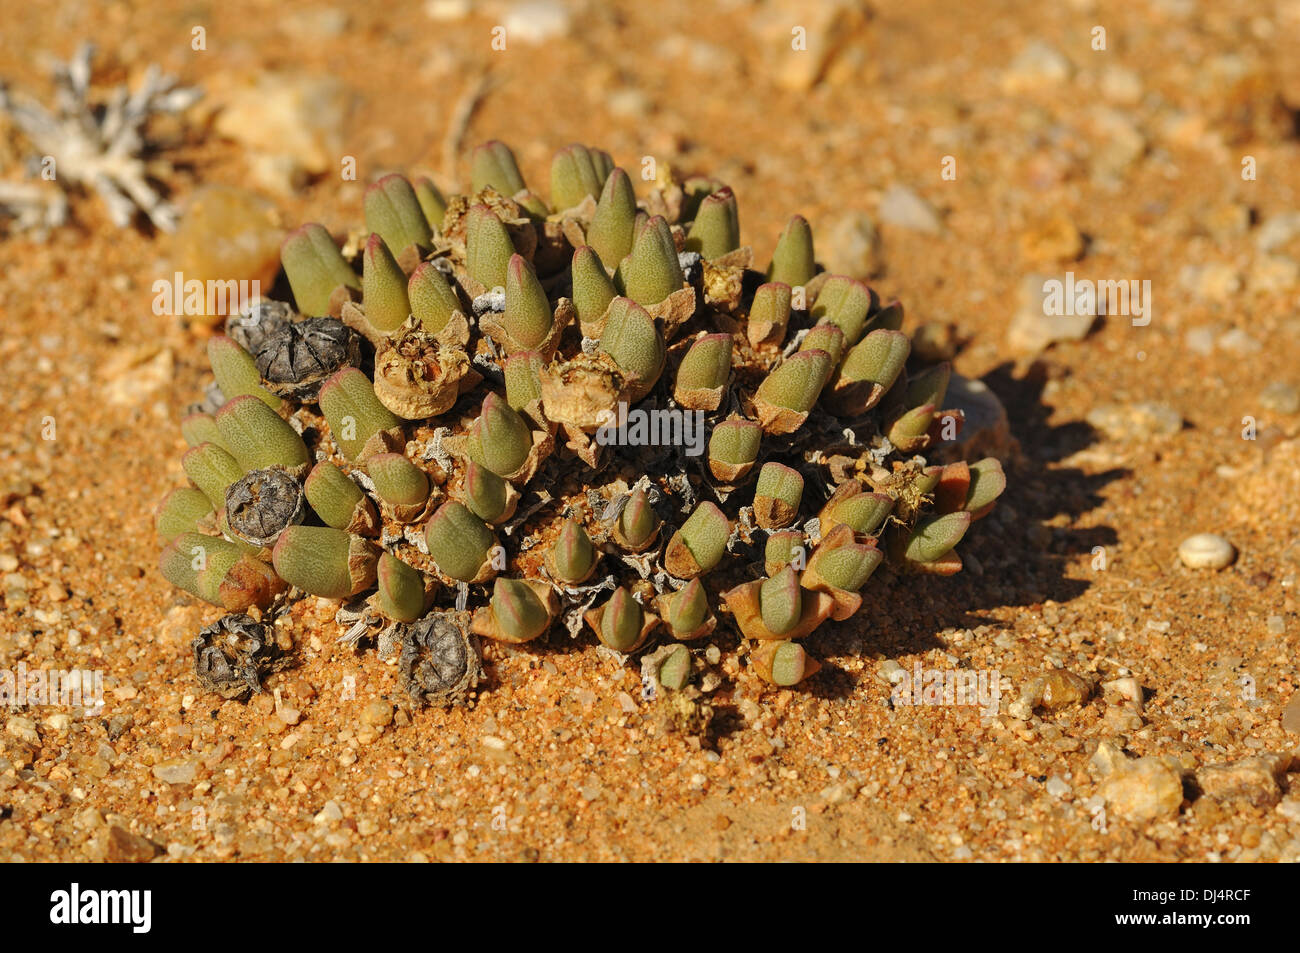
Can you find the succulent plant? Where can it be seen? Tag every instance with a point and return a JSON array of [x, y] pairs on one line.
[[491, 415]]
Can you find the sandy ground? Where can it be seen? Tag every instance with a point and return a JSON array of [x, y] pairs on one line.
[[1116, 163]]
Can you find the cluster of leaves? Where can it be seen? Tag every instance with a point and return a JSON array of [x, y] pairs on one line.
[[431, 426]]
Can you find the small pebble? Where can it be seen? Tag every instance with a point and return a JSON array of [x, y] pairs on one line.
[[1206, 551], [378, 713], [1281, 397], [902, 207]]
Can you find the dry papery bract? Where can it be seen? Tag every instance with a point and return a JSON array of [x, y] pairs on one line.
[[588, 416]]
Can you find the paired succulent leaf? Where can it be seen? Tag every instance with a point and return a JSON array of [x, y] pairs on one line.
[[520, 611], [777, 495], [401, 595], [637, 524], [716, 229], [733, 448], [236, 372], [577, 173], [393, 212], [632, 339], [686, 612], [493, 166], [572, 557], [358, 421], [613, 226], [258, 437], [786, 395], [432, 299], [592, 290], [317, 271], [846, 303], [702, 376], [459, 542], [700, 543], [651, 271], [792, 262], [324, 561], [488, 248], [338, 501]]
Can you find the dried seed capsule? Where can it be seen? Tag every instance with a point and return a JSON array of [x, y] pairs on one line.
[[675, 669], [233, 655], [416, 377], [793, 262], [651, 271], [236, 371], [297, 358], [592, 291], [439, 664], [716, 229], [614, 222], [528, 316], [459, 542], [493, 166], [700, 544], [634, 342], [338, 501], [777, 495], [181, 511], [844, 302], [686, 612], [432, 204], [383, 287], [702, 376], [621, 623], [432, 298], [733, 449], [781, 550], [211, 469], [576, 174], [399, 483], [250, 328], [488, 248], [355, 415], [637, 524], [200, 428], [258, 437], [787, 394], [520, 611], [317, 271], [260, 504], [393, 212], [325, 561], [500, 438], [825, 337], [401, 589], [572, 558], [768, 314], [783, 664]]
